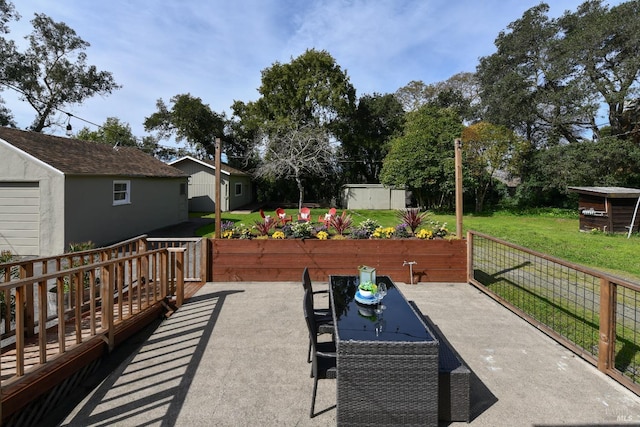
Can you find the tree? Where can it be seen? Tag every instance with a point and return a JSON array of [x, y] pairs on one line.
[[421, 159], [53, 72], [300, 153], [460, 92], [190, 120], [7, 50], [489, 148], [365, 137], [112, 132], [603, 48], [310, 90], [528, 85]]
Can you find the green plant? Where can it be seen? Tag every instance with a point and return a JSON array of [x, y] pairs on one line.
[[265, 226], [302, 230], [341, 223], [412, 218], [14, 273]]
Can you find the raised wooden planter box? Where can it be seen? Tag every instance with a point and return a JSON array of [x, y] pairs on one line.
[[284, 260]]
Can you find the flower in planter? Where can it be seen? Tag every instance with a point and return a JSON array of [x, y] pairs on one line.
[[400, 231], [278, 235], [412, 218], [424, 234], [227, 234], [301, 230], [384, 233], [322, 235]]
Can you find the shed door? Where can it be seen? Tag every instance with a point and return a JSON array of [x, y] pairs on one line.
[[20, 217]]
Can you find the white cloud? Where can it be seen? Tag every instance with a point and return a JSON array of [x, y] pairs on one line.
[[216, 49]]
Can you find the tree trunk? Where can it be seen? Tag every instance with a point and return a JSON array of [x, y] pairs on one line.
[[300, 192]]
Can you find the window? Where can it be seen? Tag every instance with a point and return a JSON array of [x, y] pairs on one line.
[[121, 192], [183, 189], [238, 189]]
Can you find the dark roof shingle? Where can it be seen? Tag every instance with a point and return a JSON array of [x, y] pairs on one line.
[[76, 157]]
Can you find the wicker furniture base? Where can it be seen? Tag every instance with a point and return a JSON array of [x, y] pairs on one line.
[[387, 383], [454, 377]]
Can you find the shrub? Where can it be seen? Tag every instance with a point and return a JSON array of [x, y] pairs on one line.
[[412, 217], [265, 226], [301, 230], [341, 223]]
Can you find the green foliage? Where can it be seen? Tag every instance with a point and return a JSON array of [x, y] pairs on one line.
[[190, 120], [365, 136], [412, 218], [53, 71], [421, 159], [265, 226], [7, 256], [548, 77], [341, 223]]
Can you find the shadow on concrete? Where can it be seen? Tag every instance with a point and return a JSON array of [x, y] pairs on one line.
[[161, 362]]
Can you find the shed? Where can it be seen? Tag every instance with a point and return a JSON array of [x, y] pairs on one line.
[[373, 196], [55, 191], [236, 190], [609, 209]]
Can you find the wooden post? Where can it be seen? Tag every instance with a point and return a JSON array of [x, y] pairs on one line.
[[26, 270], [606, 343], [178, 254], [458, 166], [218, 185]]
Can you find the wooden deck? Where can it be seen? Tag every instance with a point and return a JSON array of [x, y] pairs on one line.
[[38, 378]]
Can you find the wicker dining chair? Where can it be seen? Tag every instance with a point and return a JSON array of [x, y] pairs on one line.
[[323, 354], [322, 317]]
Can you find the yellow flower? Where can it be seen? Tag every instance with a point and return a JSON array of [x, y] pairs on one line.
[[228, 234], [424, 234], [322, 235], [278, 235]]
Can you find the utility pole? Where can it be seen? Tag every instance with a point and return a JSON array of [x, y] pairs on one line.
[[458, 164], [218, 184]]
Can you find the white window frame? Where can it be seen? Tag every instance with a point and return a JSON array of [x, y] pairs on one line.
[[236, 187], [127, 193]]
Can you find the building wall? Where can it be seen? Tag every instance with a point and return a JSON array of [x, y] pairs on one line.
[[91, 214], [19, 169], [202, 187], [611, 215], [245, 197], [373, 196]]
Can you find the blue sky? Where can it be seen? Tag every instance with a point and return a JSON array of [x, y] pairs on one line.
[[216, 49]]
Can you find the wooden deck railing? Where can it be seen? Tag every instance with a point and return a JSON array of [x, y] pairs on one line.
[[595, 314], [95, 292]]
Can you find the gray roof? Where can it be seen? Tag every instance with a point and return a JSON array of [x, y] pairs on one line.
[[76, 157], [611, 192], [211, 164]]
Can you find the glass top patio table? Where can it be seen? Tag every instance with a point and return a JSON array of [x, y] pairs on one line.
[[392, 320]]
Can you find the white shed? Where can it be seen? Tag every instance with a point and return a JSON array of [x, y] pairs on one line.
[[373, 196]]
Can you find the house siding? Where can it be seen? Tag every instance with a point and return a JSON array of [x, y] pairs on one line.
[[202, 187], [154, 203], [18, 168]]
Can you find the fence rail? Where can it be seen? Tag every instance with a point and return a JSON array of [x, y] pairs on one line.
[[56, 304], [595, 314]]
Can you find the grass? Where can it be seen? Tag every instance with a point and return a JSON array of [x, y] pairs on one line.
[[554, 232]]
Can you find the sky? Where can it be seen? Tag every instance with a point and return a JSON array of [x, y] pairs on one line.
[[217, 49]]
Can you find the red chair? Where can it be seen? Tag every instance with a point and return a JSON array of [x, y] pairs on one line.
[[304, 215], [264, 217], [282, 216], [326, 218]]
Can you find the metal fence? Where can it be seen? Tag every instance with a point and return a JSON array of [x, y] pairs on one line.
[[594, 314]]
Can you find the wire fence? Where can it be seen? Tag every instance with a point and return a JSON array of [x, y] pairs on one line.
[[594, 314]]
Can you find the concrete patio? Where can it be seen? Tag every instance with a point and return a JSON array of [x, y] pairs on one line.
[[235, 355]]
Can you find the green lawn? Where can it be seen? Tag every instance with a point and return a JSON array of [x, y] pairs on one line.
[[552, 232]]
